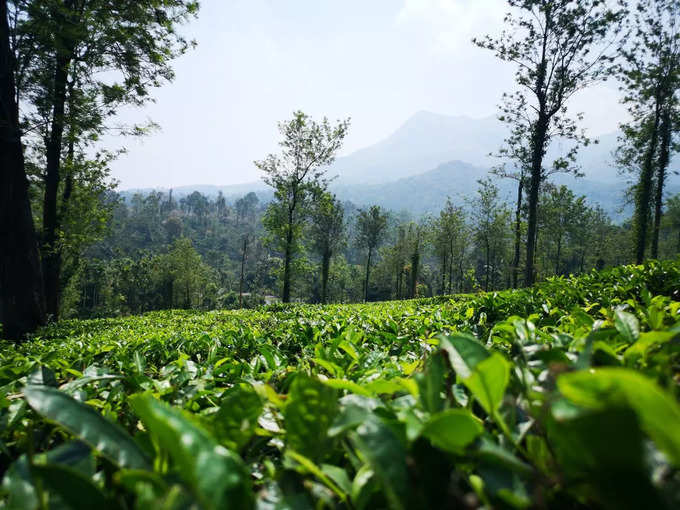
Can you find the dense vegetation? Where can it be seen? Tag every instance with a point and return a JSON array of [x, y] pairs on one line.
[[137, 266], [69, 248], [563, 395], [466, 390]]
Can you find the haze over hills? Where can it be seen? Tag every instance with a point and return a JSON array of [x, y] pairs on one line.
[[431, 157]]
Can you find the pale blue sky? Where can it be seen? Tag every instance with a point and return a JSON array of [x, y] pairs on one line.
[[378, 61]]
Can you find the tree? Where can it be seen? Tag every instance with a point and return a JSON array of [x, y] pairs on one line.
[[490, 218], [560, 214], [415, 235], [559, 47], [306, 148], [447, 238], [245, 209], [78, 62], [189, 274], [517, 151], [326, 229], [246, 206], [650, 73], [673, 218], [371, 225], [22, 299]]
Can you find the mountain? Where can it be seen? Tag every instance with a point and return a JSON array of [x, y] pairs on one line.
[[420, 144], [428, 139], [431, 157], [426, 193]]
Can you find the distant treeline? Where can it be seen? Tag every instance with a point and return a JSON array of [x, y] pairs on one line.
[[190, 253]]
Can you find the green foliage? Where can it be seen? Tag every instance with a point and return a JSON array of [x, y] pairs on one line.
[[563, 394]]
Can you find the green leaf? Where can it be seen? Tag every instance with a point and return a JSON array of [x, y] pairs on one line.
[[216, 475], [84, 422], [464, 353], [432, 383], [452, 430], [74, 489], [604, 446], [646, 341], [656, 409], [18, 480], [488, 381], [311, 468], [387, 457], [308, 415], [236, 420], [627, 324]]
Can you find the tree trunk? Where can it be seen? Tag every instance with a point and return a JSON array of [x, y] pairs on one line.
[[415, 262], [368, 268], [538, 151], [664, 156], [451, 267], [51, 257], [486, 267], [444, 264], [643, 193], [557, 257], [22, 299], [243, 265], [286, 265], [325, 269], [518, 233]]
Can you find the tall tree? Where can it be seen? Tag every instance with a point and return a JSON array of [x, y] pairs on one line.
[[517, 150], [371, 227], [447, 239], [650, 73], [490, 218], [327, 228], [673, 218], [22, 300], [306, 148], [82, 61], [558, 47]]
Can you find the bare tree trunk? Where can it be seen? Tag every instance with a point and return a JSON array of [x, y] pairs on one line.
[[243, 265], [538, 151], [518, 233], [415, 262], [286, 263], [643, 193], [325, 269], [22, 298], [368, 268], [664, 156], [451, 267], [486, 267], [444, 264]]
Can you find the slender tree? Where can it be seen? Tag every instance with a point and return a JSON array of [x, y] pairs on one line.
[[559, 47], [490, 225], [22, 300], [650, 74], [517, 150], [79, 61], [371, 226], [307, 148], [327, 229]]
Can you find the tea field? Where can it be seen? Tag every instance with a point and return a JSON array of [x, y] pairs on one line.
[[565, 395]]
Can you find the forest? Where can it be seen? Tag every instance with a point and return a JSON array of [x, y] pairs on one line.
[[295, 349], [95, 252]]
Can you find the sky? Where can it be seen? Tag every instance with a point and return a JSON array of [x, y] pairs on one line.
[[376, 61]]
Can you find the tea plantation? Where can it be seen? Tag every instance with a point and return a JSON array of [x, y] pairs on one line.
[[565, 395]]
